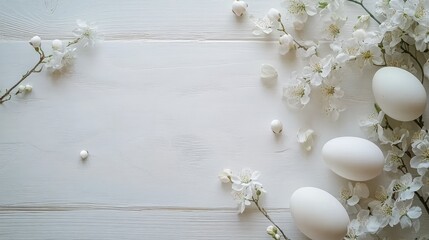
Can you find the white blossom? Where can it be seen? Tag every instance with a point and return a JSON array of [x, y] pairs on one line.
[[301, 9], [369, 54], [35, 41], [297, 95], [426, 69], [421, 37], [393, 160], [396, 136], [262, 25], [351, 195], [86, 33], [419, 137], [318, 69], [239, 7], [406, 215], [362, 22], [421, 159], [60, 60], [400, 18], [306, 138], [405, 186], [328, 7], [246, 179], [57, 45], [370, 125], [333, 27], [242, 197]]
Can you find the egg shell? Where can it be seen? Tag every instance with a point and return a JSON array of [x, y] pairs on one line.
[[353, 158], [399, 93], [318, 214]]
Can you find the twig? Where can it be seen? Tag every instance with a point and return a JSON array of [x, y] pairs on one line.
[[7, 96], [424, 202], [415, 59], [283, 29], [363, 6], [264, 212]]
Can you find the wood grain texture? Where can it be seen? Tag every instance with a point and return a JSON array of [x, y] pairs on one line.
[[136, 19], [168, 100]]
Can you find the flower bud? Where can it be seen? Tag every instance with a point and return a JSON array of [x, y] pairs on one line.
[[57, 45], [21, 88], [239, 7], [35, 41], [276, 126], [28, 88], [277, 236], [84, 154], [286, 44], [274, 15], [225, 175]]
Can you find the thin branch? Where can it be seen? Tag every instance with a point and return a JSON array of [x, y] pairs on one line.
[[283, 29], [424, 202], [363, 6], [264, 212], [415, 59]]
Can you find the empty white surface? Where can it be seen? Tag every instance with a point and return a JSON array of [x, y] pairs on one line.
[[170, 98]]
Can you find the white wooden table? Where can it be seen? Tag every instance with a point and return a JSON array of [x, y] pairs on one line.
[[170, 98]]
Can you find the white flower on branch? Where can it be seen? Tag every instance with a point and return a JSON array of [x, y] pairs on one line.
[[61, 59], [57, 45], [393, 137], [301, 9], [274, 15], [403, 12], [262, 25], [246, 179], [405, 186], [328, 7], [86, 33], [362, 22], [421, 159], [421, 37], [242, 198], [351, 195], [318, 69], [298, 94], [393, 160], [369, 54], [406, 215], [333, 27], [370, 125]]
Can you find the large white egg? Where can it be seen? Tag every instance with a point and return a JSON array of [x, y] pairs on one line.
[[399, 93], [354, 158], [318, 214]]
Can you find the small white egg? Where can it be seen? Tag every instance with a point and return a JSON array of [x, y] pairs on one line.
[[318, 214], [276, 126], [399, 93], [84, 154], [353, 158]]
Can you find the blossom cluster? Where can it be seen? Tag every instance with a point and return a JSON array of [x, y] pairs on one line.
[[245, 186], [388, 207], [396, 42]]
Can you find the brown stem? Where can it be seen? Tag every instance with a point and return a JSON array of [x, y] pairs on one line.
[[424, 202], [264, 212], [415, 59], [283, 29], [7, 96], [364, 8]]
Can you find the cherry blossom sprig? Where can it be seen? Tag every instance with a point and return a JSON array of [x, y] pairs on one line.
[[60, 58], [246, 189]]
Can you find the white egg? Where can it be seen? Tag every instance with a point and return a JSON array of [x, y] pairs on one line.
[[399, 93], [354, 158], [318, 214]]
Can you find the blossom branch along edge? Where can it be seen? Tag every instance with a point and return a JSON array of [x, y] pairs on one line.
[[61, 57]]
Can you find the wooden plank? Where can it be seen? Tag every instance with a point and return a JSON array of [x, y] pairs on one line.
[[142, 223], [135, 19]]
